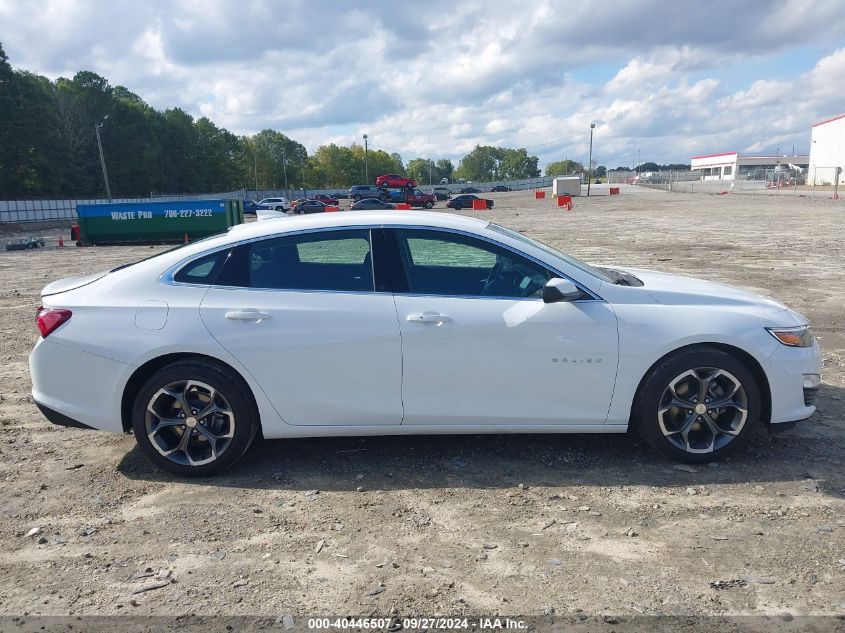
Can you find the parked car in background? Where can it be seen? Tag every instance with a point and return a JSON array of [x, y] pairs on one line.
[[470, 190], [276, 204], [461, 326], [250, 207], [444, 181], [395, 180], [465, 202], [501, 188], [416, 198], [441, 193], [368, 204], [359, 192], [327, 199], [310, 206]]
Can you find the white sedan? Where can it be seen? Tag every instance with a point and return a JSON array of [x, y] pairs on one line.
[[377, 323]]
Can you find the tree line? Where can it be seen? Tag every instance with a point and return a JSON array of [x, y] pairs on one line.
[[48, 148]]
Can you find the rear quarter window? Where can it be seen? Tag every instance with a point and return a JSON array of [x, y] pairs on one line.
[[203, 270]]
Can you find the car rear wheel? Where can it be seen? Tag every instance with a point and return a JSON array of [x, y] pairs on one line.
[[194, 419], [697, 405]]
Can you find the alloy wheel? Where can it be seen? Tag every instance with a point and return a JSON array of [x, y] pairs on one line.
[[189, 422], [702, 410]]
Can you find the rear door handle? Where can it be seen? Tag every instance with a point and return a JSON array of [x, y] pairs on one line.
[[427, 317], [247, 315]]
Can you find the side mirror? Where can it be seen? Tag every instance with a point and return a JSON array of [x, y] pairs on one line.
[[558, 289]]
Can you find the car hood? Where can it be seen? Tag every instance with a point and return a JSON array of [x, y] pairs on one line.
[[71, 283], [671, 289]]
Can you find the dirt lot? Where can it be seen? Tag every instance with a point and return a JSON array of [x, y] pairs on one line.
[[489, 524]]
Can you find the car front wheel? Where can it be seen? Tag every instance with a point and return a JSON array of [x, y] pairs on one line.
[[194, 419], [697, 405]]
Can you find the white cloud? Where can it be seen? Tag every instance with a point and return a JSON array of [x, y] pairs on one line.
[[441, 77]]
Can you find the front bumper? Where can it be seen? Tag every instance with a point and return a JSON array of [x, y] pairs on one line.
[[785, 369]]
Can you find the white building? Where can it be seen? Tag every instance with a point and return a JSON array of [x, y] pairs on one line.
[[827, 151], [732, 165]]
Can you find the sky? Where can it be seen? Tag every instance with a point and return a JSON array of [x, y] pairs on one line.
[[662, 80]]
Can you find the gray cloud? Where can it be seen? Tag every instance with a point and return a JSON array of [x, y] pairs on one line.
[[439, 77]]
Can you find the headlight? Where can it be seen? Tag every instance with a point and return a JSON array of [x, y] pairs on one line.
[[801, 336]]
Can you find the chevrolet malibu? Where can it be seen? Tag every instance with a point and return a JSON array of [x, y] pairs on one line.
[[378, 323]]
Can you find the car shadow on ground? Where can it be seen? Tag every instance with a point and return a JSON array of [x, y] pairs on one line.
[[810, 455]]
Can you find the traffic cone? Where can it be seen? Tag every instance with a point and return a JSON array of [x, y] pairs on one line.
[[186, 238], [61, 241]]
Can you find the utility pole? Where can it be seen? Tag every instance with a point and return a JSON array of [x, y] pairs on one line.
[[285, 168], [429, 172], [590, 161], [366, 172], [255, 164], [97, 127]]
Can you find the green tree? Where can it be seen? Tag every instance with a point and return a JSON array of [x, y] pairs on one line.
[[443, 169], [563, 167], [279, 158], [419, 169], [31, 152], [486, 163]]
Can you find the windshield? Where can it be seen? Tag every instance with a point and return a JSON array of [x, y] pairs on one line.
[[591, 270]]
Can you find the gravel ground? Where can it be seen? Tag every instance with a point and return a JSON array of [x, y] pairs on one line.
[[524, 525]]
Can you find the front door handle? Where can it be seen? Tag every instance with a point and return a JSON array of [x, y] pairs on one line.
[[247, 315], [427, 317]]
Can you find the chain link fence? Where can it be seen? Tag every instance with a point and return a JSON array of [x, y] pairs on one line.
[[761, 182]]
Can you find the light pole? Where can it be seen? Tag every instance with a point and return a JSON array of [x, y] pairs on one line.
[[590, 161], [97, 127], [429, 172], [366, 173]]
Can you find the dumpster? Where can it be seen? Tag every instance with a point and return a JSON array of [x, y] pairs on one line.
[[148, 222], [235, 211]]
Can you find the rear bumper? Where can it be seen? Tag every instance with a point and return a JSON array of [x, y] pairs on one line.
[[59, 419], [74, 385]]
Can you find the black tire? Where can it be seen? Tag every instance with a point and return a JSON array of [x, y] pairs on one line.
[[457, 207], [301, 211], [653, 395], [429, 204], [356, 197], [279, 209], [228, 385]]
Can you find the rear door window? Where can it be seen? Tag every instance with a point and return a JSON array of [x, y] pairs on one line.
[[327, 260]]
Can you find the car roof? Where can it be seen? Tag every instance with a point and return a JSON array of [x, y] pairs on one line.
[[354, 218]]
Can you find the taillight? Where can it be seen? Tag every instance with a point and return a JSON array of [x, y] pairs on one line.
[[48, 319]]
